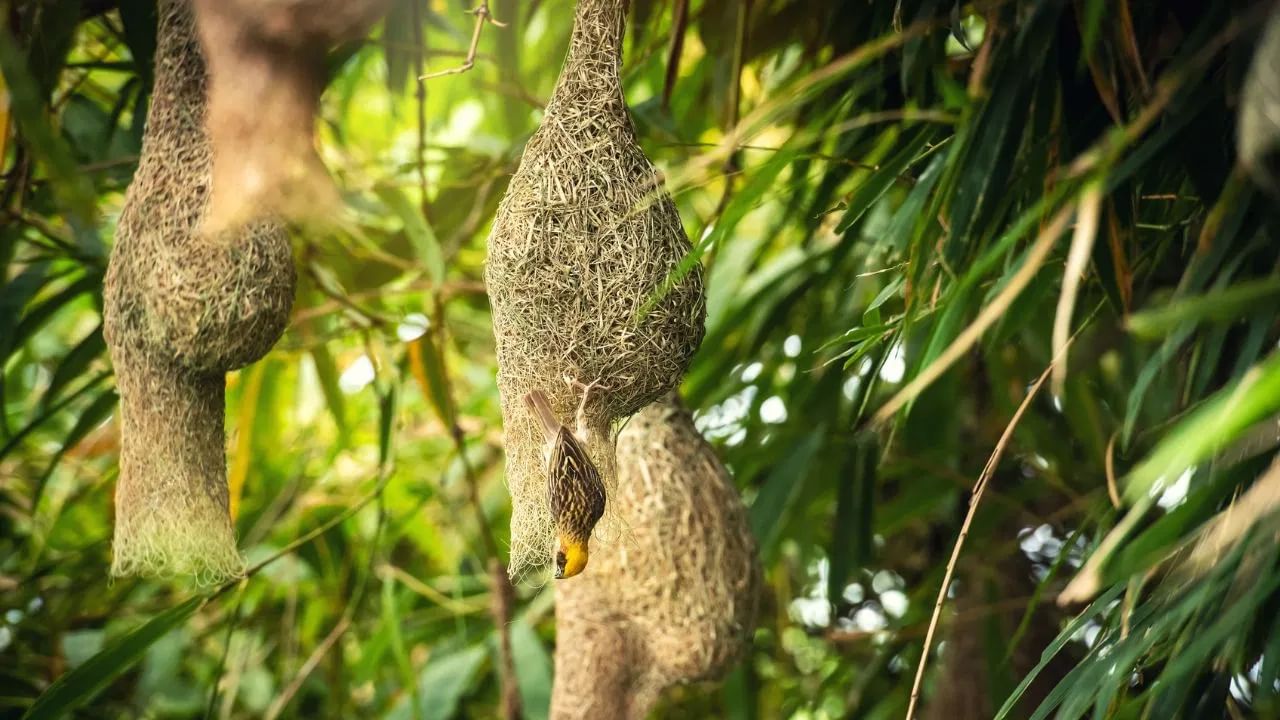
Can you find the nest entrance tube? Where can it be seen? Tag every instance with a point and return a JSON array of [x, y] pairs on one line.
[[171, 500], [181, 309], [674, 601], [580, 270]]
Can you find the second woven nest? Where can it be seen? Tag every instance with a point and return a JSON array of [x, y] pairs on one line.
[[182, 308], [673, 602], [583, 276]]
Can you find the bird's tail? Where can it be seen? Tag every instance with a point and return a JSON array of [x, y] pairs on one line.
[[541, 409]]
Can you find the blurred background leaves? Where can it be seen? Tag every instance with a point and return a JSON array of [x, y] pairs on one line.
[[884, 195]]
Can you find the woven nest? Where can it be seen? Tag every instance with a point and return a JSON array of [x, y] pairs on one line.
[[267, 68], [181, 309], [675, 601], [584, 244]]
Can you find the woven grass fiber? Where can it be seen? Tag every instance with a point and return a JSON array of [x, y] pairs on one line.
[[181, 309], [267, 71], [583, 241], [675, 601]]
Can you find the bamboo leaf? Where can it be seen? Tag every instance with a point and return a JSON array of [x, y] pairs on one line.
[[38, 313], [533, 670], [773, 506], [1227, 304], [92, 417], [27, 105], [1098, 606], [854, 525], [427, 366], [250, 394], [391, 627], [80, 685], [417, 228], [73, 365], [442, 684], [14, 297], [1211, 427], [879, 181], [327, 372]]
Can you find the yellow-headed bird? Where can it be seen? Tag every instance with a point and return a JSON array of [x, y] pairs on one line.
[[573, 486]]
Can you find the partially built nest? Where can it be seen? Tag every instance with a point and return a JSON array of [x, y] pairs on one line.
[[584, 276], [268, 70], [674, 602], [181, 309]]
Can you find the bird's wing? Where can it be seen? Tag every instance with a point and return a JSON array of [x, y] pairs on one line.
[[541, 409], [574, 486]]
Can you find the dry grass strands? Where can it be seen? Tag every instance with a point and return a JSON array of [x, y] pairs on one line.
[[267, 72], [674, 601], [181, 309], [583, 240]]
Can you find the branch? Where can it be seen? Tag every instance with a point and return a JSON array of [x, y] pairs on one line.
[[482, 16], [678, 26], [979, 487]]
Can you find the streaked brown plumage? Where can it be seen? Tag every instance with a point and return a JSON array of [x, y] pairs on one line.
[[574, 488]]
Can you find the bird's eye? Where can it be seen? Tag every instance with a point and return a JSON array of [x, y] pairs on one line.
[[561, 559]]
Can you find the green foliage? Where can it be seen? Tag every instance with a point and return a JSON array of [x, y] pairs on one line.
[[882, 193], [80, 685]]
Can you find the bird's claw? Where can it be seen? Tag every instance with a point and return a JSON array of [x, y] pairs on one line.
[[582, 406]]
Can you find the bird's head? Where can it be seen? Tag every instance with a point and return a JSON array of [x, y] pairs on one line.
[[571, 558]]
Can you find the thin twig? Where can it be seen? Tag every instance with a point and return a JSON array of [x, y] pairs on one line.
[[282, 700], [498, 573], [482, 16], [316, 532], [369, 317], [420, 96], [678, 26], [502, 601], [1109, 462], [732, 164], [761, 116], [501, 584], [978, 489], [344, 622], [513, 91], [449, 290], [389, 572], [232, 623], [982, 63]]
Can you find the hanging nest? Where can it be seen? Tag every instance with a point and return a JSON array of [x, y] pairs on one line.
[[581, 275], [267, 71], [674, 602], [181, 309]]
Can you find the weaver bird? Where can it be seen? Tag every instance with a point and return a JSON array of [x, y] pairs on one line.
[[574, 487]]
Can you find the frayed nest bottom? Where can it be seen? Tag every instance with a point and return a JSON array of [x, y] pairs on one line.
[[191, 540], [172, 504]]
